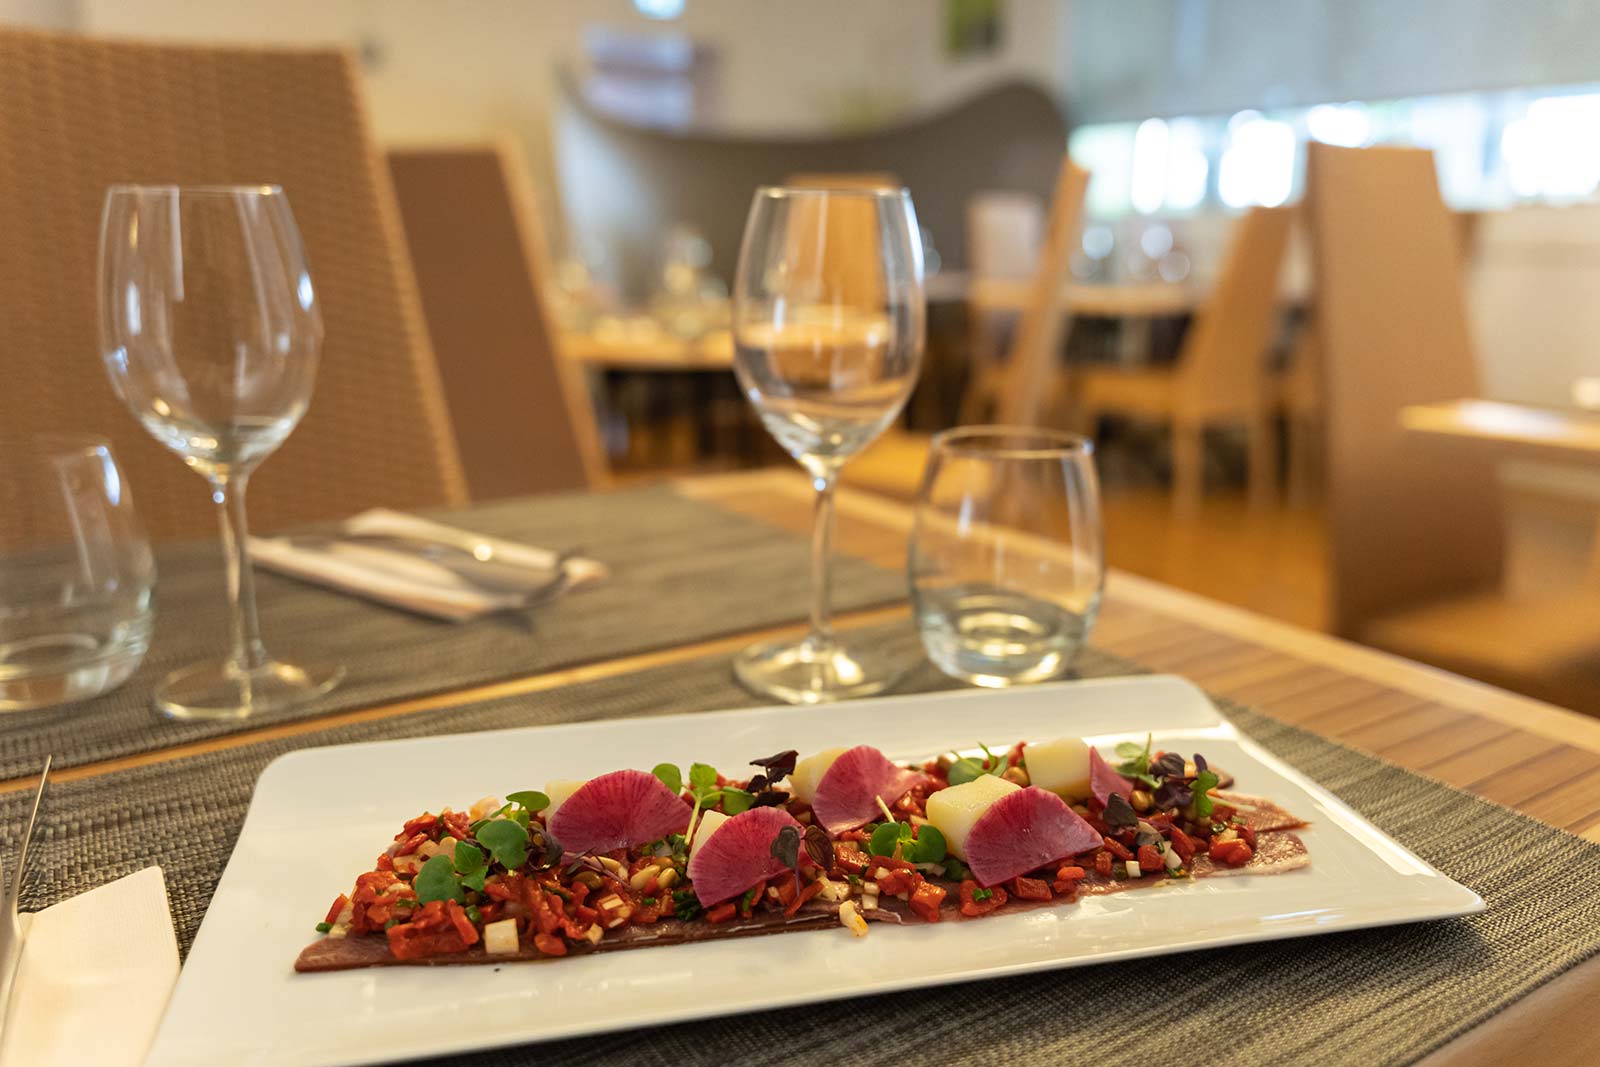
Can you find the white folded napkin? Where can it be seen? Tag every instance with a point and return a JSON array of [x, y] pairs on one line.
[[94, 979], [404, 580]]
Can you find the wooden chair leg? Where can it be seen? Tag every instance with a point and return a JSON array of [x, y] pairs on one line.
[[1263, 445], [1302, 462], [1188, 466]]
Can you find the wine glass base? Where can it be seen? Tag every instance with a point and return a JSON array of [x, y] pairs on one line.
[[806, 671], [219, 690]]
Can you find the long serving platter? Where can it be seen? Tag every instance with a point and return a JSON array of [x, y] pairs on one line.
[[319, 816]]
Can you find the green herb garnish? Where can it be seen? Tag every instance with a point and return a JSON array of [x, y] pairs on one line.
[[965, 768], [702, 776], [507, 842], [648, 902], [887, 837], [323, 928], [474, 914], [437, 881], [982, 894], [1136, 762], [955, 869], [670, 776], [529, 799], [736, 800], [928, 847], [471, 866], [1200, 807]]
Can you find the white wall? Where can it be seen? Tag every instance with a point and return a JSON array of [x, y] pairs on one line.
[[474, 67]]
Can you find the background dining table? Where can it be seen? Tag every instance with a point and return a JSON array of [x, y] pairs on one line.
[[1533, 758]]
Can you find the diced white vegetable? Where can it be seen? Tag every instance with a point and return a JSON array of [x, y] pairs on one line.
[[1133, 868], [870, 888], [953, 811], [833, 892], [558, 791], [1170, 858], [500, 938], [809, 771], [869, 903], [851, 919], [709, 821], [1061, 766]]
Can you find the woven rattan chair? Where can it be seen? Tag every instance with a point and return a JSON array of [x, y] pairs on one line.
[[523, 416], [79, 114]]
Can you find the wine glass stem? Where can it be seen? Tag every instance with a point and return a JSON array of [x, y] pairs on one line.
[[822, 559], [249, 654]]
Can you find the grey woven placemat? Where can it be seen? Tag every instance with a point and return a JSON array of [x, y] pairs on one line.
[[682, 571], [1381, 997]]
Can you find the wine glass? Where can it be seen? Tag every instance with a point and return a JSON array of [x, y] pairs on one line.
[[1007, 557], [210, 333], [828, 327]]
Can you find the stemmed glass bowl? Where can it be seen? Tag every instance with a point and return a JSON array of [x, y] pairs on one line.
[[828, 328], [210, 334]]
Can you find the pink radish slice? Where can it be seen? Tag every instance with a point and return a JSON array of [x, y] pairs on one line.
[[847, 796], [1103, 781], [618, 810], [1023, 831], [738, 854]]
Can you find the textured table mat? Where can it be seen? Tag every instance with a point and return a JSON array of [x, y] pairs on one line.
[[682, 571], [1381, 997]]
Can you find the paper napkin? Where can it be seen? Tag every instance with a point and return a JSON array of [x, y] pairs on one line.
[[404, 580], [95, 976]]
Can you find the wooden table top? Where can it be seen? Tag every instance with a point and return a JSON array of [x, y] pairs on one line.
[[646, 351], [1506, 747], [1521, 431], [1530, 756]]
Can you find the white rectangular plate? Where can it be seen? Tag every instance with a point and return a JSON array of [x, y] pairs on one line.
[[320, 816]]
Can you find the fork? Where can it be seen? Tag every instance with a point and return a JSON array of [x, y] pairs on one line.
[[11, 931]]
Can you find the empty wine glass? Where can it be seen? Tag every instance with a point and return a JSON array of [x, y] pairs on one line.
[[210, 333], [1007, 558], [828, 328]]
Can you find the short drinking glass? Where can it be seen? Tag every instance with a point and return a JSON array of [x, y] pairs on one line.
[[1007, 559], [210, 334], [828, 325], [75, 573]]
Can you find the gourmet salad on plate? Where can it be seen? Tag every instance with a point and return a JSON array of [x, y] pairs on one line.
[[846, 837]]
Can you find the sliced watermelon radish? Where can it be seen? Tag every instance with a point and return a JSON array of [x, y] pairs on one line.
[[1103, 781], [1021, 832], [737, 855], [618, 810], [848, 794]]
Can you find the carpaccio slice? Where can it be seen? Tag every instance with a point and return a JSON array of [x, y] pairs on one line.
[[1103, 781], [738, 854], [848, 794], [1023, 831], [618, 810]]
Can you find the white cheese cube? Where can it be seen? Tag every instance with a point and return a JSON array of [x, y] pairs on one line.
[[500, 938], [709, 821], [809, 771], [1061, 766], [953, 811], [558, 791]]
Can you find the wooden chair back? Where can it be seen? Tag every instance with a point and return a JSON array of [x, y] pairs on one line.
[[1031, 364], [523, 417], [848, 231], [1405, 524], [1222, 365], [81, 114]]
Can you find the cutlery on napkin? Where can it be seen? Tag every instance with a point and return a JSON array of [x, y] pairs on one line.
[[95, 976], [394, 575]]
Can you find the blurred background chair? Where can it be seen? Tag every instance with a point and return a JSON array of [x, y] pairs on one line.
[[82, 114], [1220, 377], [523, 416], [1024, 386], [1415, 536]]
